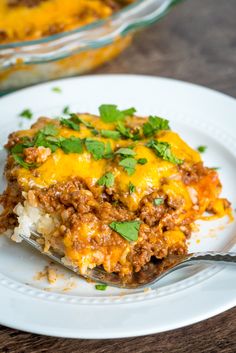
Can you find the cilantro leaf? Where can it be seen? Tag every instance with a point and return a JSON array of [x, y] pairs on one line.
[[129, 165], [101, 286], [19, 160], [124, 131], [129, 112], [108, 151], [26, 113], [163, 150], [96, 148], [70, 124], [71, 145], [142, 161], [19, 148], [202, 149], [115, 135], [50, 129], [158, 201], [132, 187], [125, 151], [106, 180], [155, 124], [43, 140], [79, 120], [128, 230], [56, 89], [66, 110], [109, 113]]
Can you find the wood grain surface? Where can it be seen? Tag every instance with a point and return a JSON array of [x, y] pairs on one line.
[[196, 42]]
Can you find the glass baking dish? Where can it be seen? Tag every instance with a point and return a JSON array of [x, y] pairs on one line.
[[76, 51]]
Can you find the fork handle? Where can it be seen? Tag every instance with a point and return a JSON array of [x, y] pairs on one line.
[[211, 256]]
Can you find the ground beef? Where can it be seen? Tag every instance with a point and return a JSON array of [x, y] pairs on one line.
[[192, 173]]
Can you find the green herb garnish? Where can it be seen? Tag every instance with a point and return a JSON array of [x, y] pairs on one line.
[[71, 145], [115, 135], [132, 187], [128, 230], [125, 151], [124, 131], [19, 160], [50, 130], [163, 150], [108, 151], [142, 161], [26, 113], [128, 164], [79, 120], [202, 149], [56, 89], [158, 201], [106, 180], [101, 286], [155, 124], [51, 142], [70, 124], [66, 110], [96, 148], [109, 113]]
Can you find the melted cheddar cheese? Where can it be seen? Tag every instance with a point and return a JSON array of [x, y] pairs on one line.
[[26, 20]]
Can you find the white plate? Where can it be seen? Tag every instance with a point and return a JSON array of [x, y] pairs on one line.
[[72, 307]]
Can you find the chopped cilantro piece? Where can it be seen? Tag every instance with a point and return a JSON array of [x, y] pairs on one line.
[[129, 165], [71, 145], [108, 151], [46, 141], [124, 131], [70, 124], [106, 180], [50, 130], [66, 110], [26, 113], [202, 149], [163, 150], [96, 148], [142, 161], [215, 168], [132, 187], [115, 135], [79, 120], [19, 160], [158, 201], [56, 89], [128, 230], [155, 124], [95, 132], [129, 112], [125, 151], [101, 286], [109, 113]]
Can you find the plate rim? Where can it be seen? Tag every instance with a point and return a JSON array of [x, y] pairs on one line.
[[126, 76]]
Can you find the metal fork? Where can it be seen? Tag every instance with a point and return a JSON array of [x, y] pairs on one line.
[[149, 275]]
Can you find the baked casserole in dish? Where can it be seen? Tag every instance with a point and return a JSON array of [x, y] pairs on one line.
[[113, 190], [42, 40]]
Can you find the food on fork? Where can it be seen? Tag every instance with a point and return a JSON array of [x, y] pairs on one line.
[[113, 190]]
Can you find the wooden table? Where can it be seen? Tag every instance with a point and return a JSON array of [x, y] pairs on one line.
[[196, 42]]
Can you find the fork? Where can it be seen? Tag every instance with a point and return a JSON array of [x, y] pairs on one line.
[[148, 276]]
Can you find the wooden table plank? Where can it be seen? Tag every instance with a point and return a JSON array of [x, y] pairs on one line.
[[196, 42]]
